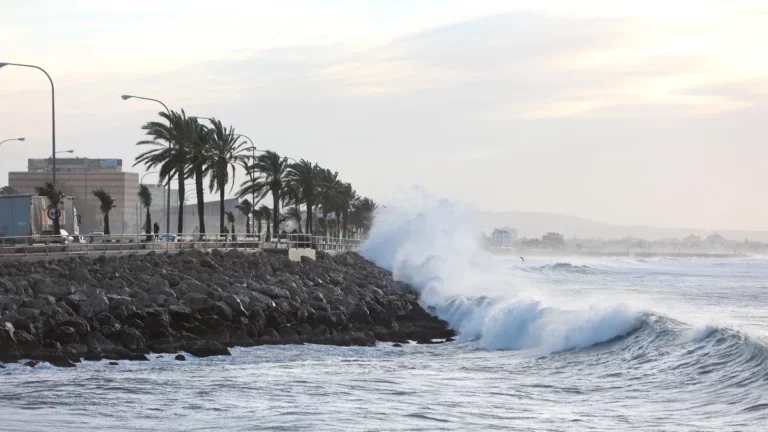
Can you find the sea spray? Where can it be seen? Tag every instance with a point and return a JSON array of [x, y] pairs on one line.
[[433, 244]]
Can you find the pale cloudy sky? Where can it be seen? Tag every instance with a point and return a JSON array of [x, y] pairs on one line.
[[652, 112]]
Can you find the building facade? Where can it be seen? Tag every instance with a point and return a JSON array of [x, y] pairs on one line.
[[503, 237], [79, 177]]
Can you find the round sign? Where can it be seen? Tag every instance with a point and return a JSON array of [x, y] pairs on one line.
[[54, 213]]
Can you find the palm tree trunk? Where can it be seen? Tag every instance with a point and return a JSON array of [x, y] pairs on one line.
[[268, 233], [148, 223], [179, 204], [276, 211], [148, 230], [309, 217], [106, 223], [56, 227], [344, 215], [248, 224], [258, 226], [325, 218], [221, 210], [200, 199]]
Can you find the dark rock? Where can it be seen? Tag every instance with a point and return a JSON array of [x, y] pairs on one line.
[[31, 363], [196, 301], [206, 349], [113, 363], [180, 357], [397, 345], [138, 357]]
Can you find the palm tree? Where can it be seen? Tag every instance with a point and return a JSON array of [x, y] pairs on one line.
[[145, 196], [346, 199], [199, 157], [306, 176], [7, 190], [294, 214], [181, 132], [263, 213], [291, 196], [362, 214], [225, 154], [270, 170], [328, 188], [106, 204], [231, 221], [54, 196], [245, 207]]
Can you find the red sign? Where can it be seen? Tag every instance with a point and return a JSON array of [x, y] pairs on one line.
[[54, 213]]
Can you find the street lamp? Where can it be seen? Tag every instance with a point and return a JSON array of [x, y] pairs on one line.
[[12, 139], [168, 192], [53, 110], [60, 151]]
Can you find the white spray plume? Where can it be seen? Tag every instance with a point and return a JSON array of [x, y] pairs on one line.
[[433, 244]]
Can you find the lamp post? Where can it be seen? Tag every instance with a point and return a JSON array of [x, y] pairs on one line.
[[168, 189], [11, 139], [53, 156], [53, 110]]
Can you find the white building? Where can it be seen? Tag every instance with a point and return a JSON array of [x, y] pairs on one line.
[[503, 237]]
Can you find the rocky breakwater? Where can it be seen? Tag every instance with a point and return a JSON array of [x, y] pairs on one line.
[[202, 303]]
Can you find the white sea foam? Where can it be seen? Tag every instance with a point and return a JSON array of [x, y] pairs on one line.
[[433, 245]]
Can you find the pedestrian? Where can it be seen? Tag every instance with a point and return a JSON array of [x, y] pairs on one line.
[[156, 230]]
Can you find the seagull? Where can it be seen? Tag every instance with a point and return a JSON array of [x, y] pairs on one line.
[[523, 260]]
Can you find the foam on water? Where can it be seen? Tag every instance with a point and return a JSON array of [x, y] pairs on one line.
[[433, 245]]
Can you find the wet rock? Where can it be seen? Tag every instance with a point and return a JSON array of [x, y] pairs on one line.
[[180, 357], [31, 363], [397, 345], [113, 363]]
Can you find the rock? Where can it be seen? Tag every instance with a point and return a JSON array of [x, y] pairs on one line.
[[10, 303], [105, 319], [138, 357], [113, 363], [118, 301], [194, 287], [42, 286], [2, 366], [98, 304], [180, 313], [206, 349], [161, 287], [272, 292], [180, 357], [397, 345], [64, 335], [232, 254], [223, 311], [31, 363], [196, 301], [96, 342], [234, 303]]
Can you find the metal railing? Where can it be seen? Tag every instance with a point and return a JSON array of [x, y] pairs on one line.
[[24, 246]]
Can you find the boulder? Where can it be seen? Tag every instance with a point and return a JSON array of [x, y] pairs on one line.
[[223, 311], [10, 303], [234, 303], [206, 349], [180, 357], [272, 292], [196, 301], [97, 304]]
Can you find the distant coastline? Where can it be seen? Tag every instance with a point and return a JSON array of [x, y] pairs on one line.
[[564, 253]]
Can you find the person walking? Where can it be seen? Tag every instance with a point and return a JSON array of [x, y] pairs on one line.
[[156, 230]]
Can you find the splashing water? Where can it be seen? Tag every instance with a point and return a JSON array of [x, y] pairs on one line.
[[433, 245]]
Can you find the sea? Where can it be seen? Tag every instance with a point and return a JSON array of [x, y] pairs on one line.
[[545, 344]]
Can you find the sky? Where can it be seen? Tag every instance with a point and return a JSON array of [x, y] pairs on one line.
[[626, 112]]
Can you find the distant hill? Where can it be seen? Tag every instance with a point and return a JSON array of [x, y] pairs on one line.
[[535, 224]]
